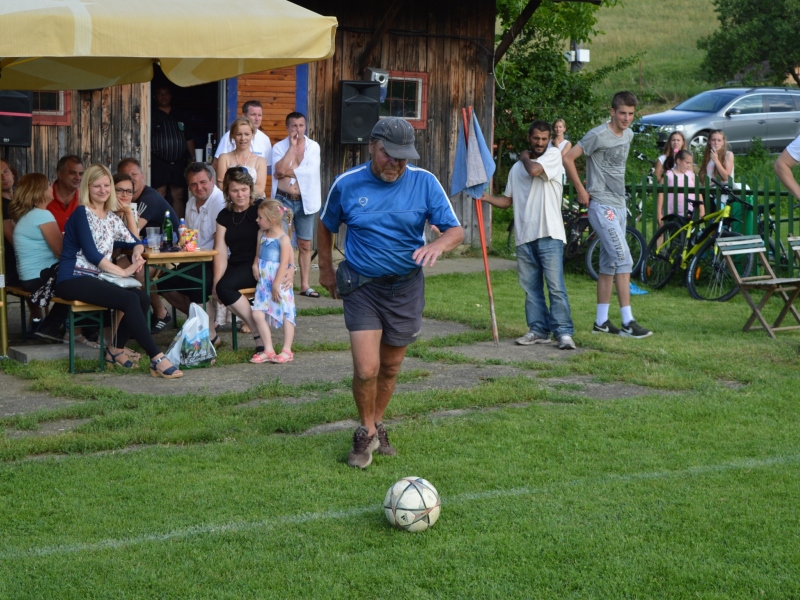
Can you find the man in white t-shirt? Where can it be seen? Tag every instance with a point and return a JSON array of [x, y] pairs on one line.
[[260, 144], [534, 189], [783, 167]]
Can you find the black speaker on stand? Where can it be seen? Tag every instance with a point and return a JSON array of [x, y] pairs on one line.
[[16, 118], [360, 103]]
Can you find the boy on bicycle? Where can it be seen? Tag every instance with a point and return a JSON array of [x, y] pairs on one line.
[[606, 148]]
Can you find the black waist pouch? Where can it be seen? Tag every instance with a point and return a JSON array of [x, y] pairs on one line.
[[348, 280]]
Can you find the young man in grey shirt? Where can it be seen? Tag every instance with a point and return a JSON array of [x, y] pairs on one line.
[[606, 148]]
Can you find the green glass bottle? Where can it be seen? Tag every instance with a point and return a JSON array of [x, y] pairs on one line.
[[167, 229]]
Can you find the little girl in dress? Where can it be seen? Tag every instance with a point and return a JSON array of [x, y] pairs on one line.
[[272, 305]]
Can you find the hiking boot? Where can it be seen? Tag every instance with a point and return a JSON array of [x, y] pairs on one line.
[[363, 447], [51, 330], [634, 330], [159, 324], [533, 338], [384, 447], [606, 327], [565, 342]]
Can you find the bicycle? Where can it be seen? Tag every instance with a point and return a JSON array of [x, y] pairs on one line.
[[681, 244]]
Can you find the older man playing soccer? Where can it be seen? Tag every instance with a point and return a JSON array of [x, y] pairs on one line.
[[385, 204]]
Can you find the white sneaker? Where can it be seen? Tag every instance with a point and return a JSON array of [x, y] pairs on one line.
[[565, 342], [533, 338]]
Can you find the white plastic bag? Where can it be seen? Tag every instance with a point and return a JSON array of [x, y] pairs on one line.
[[192, 347]]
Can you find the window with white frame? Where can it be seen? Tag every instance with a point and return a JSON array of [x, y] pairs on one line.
[[407, 97], [52, 108]]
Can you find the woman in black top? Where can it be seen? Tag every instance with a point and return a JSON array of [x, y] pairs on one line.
[[237, 234]]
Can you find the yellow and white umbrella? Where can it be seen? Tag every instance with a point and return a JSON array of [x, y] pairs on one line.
[[91, 44]]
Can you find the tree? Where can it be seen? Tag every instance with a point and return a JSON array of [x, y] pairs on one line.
[[752, 34], [533, 80]]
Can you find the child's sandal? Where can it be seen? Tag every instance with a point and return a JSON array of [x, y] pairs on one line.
[[284, 357], [262, 357]]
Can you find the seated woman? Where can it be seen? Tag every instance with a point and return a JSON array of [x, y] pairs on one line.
[[123, 187], [38, 242], [9, 178], [674, 144], [682, 174], [236, 243], [242, 133], [91, 233]]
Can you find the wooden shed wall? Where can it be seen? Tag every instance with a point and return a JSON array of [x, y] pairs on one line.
[[451, 41], [106, 126], [276, 92]]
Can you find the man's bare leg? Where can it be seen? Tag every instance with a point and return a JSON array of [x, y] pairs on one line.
[[375, 369], [304, 261]]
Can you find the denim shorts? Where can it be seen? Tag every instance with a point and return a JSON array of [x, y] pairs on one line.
[[303, 223], [394, 309]]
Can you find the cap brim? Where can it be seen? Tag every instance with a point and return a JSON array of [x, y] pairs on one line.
[[400, 152]]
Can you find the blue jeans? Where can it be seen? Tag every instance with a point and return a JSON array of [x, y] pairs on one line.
[[538, 262]]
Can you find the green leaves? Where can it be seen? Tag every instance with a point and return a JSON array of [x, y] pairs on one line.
[[756, 39]]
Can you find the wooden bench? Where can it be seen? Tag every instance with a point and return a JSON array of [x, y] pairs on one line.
[[81, 314], [784, 287], [248, 293]]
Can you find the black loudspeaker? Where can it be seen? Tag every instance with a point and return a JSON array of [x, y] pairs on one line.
[[360, 103], [16, 118]]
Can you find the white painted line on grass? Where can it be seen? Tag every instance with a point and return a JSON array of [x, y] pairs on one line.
[[246, 526]]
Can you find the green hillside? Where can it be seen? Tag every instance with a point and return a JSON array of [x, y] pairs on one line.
[[666, 31]]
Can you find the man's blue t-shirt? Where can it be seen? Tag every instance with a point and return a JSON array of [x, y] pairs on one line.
[[386, 221]]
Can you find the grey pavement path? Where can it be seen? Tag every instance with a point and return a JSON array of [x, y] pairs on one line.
[[325, 366], [35, 350]]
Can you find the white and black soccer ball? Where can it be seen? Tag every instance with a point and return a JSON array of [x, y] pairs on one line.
[[412, 504]]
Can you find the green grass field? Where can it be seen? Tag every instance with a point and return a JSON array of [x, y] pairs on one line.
[[690, 493], [666, 31]]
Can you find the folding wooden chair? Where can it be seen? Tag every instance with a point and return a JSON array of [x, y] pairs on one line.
[[794, 244], [786, 288]]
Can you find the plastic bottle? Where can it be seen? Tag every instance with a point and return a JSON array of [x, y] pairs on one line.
[[209, 150], [182, 233], [167, 229]]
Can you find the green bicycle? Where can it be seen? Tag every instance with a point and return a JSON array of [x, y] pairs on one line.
[[681, 243]]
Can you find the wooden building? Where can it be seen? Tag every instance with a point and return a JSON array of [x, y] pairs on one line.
[[439, 55]]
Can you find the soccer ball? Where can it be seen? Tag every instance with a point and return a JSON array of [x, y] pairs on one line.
[[412, 504]]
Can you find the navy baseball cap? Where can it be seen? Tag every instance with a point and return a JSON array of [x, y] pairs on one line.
[[397, 136]]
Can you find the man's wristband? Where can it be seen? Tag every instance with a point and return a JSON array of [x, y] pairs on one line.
[[290, 265]]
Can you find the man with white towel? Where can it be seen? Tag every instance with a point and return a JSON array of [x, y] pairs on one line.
[[296, 184]]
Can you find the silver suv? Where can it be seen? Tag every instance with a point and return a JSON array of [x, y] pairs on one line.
[[772, 114]]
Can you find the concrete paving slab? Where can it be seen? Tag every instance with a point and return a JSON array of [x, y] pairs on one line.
[[17, 399]]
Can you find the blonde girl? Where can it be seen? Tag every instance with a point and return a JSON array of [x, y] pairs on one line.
[[272, 305], [559, 141], [717, 159], [674, 144]]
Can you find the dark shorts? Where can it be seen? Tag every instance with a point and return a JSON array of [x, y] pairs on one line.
[[394, 309], [167, 173], [183, 286]]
